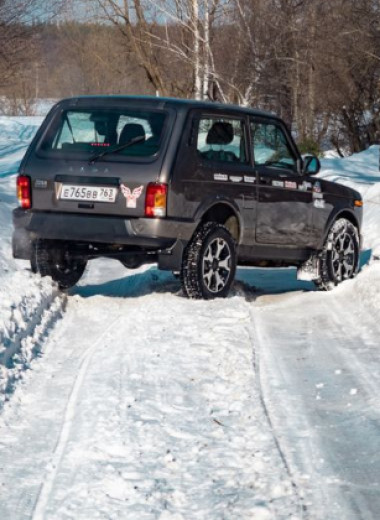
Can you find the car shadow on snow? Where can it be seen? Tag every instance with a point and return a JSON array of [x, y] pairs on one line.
[[133, 286], [250, 282], [365, 257], [256, 282]]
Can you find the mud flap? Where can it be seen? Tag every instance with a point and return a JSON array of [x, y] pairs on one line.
[[171, 259], [309, 271], [21, 244]]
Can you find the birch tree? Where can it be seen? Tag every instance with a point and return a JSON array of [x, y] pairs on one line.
[[181, 30]]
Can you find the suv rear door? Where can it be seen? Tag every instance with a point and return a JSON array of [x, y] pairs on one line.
[[284, 207], [82, 162]]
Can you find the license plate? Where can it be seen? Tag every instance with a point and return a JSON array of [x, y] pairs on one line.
[[90, 193]]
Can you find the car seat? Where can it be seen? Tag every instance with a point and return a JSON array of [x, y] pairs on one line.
[[220, 134], [131, 131]]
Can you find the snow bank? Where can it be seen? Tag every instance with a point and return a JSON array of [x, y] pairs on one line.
[[361, 172], [25, 299], [26, 315], [361, 168], [371, 220], [15, 136]]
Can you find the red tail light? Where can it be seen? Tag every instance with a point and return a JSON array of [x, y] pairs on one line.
[[155, 200], [24, 192]]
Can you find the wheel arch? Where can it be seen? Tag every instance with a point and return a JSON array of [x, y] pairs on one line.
[[344, 213], [226, 213]]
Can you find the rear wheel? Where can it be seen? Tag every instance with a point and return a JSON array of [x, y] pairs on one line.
[[209, 263], [54, 259], [339, 260]]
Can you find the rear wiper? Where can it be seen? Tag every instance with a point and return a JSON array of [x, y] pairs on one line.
[[135, 140]]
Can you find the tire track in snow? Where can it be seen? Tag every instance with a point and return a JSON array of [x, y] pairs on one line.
[[322, 381], [250, 295], [23, 335], [255, 341], [48, 483]]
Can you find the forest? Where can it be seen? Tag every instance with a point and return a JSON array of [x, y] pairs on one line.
[[316, 64]]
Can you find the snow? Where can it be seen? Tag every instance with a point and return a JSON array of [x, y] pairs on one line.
[[361, 172], [124, 400]]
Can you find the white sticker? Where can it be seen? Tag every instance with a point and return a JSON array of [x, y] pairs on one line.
[[317, 195], [304, 186], [278, 184], [319, 203], [131, 197], [291, 185], [220, 177], [249, 179], [235, 179]]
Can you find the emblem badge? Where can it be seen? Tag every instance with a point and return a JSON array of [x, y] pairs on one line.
[[131, 197]]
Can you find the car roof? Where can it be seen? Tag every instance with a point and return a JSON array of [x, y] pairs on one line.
[[161, 102]]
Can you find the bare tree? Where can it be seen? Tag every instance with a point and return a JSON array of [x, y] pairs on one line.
[[179, 33], [17, 47]]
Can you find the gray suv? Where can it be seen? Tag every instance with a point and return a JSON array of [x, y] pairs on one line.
[[197, 187]]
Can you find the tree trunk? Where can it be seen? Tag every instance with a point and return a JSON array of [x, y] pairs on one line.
[[196, 38]]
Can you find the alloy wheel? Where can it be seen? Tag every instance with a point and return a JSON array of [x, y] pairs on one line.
[[216, 266], [343, 256]]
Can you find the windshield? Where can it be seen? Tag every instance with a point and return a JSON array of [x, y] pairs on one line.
[[84, 133]]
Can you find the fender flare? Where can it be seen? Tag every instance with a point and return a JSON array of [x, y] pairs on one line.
[[347, 213], [210, 202]]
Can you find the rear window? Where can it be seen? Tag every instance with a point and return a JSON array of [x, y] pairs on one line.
[[86, 133]]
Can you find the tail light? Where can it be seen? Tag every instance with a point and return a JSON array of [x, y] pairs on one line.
[[24, 192], [155, 200]]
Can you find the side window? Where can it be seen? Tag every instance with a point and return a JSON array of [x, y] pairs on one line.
[[270, 146], [77, 127], [221, 139], [128, 120]]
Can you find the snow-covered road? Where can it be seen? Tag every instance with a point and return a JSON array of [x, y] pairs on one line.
[[140, 404], [144, 405], [320, 374]]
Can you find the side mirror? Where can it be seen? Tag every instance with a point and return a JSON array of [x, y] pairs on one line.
[[310, 165]]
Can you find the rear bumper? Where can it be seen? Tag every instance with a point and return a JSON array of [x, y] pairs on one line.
[[160, 235]]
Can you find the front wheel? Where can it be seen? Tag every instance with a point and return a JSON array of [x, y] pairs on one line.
[[209, 263], [54, 259], [339, 259]]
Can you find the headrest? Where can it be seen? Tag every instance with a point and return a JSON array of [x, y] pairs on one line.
[[130, 131], [220, 133], [101, 127]]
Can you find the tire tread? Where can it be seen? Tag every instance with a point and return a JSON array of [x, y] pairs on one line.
[[190, 280]]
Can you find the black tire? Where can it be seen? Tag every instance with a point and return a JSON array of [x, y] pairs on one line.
[[339, 259], [209, 263], [53, 259]]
